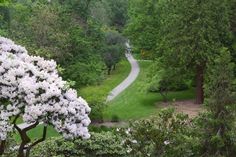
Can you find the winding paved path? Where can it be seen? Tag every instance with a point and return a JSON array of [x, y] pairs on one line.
[[128, 81]]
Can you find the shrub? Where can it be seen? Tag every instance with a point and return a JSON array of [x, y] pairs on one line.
[[104, 144], [96, 114], [11, 147], [115, 118], [87, 73], [146, 55], [167, 135], [164, 80]]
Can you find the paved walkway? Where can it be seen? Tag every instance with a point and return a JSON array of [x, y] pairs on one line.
[[128, 81]]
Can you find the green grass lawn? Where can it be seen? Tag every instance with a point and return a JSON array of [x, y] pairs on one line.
[[101, 91], [136, 103]]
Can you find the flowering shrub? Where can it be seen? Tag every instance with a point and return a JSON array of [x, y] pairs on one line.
[[165, 135], [31, 87]]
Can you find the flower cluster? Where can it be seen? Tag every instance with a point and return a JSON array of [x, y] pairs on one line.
[[30, 86]]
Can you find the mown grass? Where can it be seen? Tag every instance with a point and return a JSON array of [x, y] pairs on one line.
[[135, 102], [101, 91]]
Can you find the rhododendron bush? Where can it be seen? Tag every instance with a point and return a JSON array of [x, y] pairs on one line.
[[31, 88]]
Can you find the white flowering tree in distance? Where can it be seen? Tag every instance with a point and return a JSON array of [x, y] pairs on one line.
[[31, 89]]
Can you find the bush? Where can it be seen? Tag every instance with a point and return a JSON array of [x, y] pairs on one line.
[[167, 135], [146, 54], [176, 86], [115, 118], [164, 80], [104, 144], [11, 147], [96, 114], [87, 73]]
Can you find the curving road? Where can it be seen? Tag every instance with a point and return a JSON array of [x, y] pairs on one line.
[[128, 81]]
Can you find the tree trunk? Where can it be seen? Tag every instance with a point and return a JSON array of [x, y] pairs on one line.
[[109, 70], [24, 138], [2, 147], [199, 87], [114, 67], [36, 142]]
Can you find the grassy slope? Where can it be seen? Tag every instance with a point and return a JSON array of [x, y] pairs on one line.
[[135, 102], [101, 91]]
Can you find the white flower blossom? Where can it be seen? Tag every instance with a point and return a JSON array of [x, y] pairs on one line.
[[31, 86], [129, 150], [166, 142], [128, 131], [134, 141]]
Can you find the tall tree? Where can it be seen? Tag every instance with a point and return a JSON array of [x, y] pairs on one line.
[[118, 13], [143, 24], [184, 34], [218, 125], [191, 33]]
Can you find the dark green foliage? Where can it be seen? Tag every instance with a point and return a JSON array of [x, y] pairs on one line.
[[4, 16], [200, 28], [165, 80], [184, 35], [143, 24], [96, 114], [90, 72], [219, 124], [166, 135], [114, 50], [104, 144], [115, 118], [65, 31], [11, 149], [118, 13], [232, 5]]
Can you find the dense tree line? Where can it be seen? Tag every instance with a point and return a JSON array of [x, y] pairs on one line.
[[71, 32], [184, 36], [189, 40]]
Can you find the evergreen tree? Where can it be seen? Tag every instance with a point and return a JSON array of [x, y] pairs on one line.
[[191, 33], [143, 25], [218, 125]]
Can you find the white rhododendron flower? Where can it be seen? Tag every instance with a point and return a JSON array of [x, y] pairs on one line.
[[30, 86], [166, 142]]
